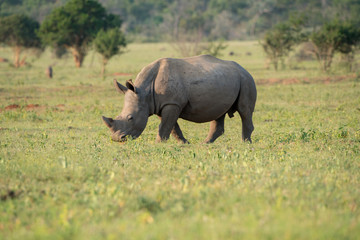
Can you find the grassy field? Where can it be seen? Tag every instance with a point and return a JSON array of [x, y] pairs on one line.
[[61, 177]]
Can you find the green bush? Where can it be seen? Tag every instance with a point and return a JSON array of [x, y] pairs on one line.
[[19, 33], [109, 43], [75, 25], [332, 37], [279, 41]]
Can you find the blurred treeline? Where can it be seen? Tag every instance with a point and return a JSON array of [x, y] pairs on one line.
[[164, 20]]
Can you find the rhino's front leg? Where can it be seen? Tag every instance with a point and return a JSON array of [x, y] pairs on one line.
[[177, 134], [169, 116]]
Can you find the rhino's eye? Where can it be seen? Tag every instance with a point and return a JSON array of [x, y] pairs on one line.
[[130, 118]]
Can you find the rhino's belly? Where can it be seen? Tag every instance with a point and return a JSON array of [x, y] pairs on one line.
[[210, 99], [206, 111]]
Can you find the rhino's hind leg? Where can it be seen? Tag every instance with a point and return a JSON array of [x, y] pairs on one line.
[[247, 124], [245, 107], [169, 117], [216, 129], [177, 134]]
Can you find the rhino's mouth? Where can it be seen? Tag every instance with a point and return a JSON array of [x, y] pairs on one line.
[[123, 137], [119, 137]]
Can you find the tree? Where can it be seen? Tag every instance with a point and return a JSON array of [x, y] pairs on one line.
[[189, 25], [19, 32], [214, 48], [156, 20], [109, 43], [334, 37], [75, 25], [349, 41], [281, 39]]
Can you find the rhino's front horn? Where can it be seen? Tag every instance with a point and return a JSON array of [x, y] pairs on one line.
[[108, 121]]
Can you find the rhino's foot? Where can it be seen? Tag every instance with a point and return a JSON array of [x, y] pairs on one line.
[[183, 141]]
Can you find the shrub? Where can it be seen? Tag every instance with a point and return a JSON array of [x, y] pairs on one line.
[[75, 25], [332, 37], [279, 41], [108, 43], [19, 32]]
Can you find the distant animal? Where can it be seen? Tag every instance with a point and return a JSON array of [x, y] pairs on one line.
[[49, 72], [198, 89]]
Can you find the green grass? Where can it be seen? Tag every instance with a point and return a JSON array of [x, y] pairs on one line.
[[61, 177]]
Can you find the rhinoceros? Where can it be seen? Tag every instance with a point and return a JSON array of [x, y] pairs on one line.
[[198, 89]]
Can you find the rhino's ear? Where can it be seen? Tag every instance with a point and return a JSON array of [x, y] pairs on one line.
[[130, 85], [119, 87], [108, 121]]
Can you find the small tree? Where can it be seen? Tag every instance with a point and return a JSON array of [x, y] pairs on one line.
[[214, 48], [75, 25], [188, 29], [325, 41], [19, 32], [109, 43], [281, 39], [334, 37], [188, 43], [350, 41]]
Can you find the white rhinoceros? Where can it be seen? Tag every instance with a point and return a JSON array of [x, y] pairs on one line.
[[199, 89]]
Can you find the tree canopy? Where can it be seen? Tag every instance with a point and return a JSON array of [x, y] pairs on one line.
[[75, 25], [332, 37], [279, 41], [19, 32], [109, 43], [335, 36], [159, 20]]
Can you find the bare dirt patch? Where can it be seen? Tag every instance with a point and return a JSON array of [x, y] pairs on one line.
[[12, 106], [122, 74], [30, 107], [288, 81], [33, 107]]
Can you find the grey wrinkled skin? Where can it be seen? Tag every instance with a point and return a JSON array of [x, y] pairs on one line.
[[198, 89]]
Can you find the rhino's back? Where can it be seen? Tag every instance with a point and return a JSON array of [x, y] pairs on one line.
[[207, 87]]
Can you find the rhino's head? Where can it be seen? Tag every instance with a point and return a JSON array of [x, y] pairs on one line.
[[133, 118]]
